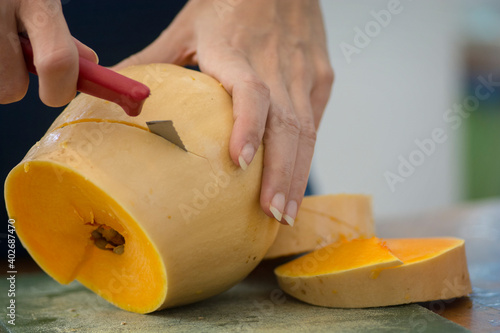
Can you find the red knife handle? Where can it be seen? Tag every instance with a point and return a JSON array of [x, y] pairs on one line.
[[101, 82]]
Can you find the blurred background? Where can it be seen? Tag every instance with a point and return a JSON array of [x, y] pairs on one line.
[[414, 117], [405, 69]]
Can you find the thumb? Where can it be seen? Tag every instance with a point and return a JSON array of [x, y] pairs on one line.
[[86, 52], [174, 46]]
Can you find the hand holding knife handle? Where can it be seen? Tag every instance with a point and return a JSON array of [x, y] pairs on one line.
[[101, 82]]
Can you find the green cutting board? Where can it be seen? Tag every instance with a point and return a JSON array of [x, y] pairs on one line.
[[256, 304]]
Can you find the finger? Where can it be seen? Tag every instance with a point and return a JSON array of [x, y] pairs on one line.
[[250, 111], [13, 73], [86, 52], [281, 142], [281, 132], [321, 91], [305, 151], [54, 50], [251, 101]]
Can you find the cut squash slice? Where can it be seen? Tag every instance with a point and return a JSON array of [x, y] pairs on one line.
[[130, 215], [323, 220], [359, 273]]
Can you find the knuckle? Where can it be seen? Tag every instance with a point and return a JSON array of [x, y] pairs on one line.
[[59, 61], [256, 84], [45, 11], [286, 120], [326, 75], [308, 132], [292, 123], [300, 45], [51, 7]]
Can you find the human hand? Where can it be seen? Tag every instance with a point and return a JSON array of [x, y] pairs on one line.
[[271, 56], [55, 51]]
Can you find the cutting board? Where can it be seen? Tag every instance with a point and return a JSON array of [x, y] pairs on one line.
[[255, 304]]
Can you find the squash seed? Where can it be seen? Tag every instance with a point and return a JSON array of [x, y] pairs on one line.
[[96, 234], [119, 249], [101, 243], [117, 240], [109, 234]]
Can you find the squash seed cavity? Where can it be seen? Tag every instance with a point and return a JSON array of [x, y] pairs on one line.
[[107, 238]]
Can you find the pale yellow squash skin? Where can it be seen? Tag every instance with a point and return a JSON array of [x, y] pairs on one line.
[[199, 106], [192, 222], [438, 274], [323, 220]]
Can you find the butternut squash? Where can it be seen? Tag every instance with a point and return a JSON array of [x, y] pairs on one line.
[[372, 272], [130, 215]]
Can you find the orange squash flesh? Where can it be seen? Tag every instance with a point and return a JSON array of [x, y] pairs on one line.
[[412, 250], [56, 230], [337, 258], [323, 220], [348, 276]]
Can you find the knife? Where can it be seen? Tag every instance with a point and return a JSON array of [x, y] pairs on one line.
[[166, 129], [100, 82]]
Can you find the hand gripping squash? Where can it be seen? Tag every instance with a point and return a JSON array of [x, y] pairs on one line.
[[134, 218]]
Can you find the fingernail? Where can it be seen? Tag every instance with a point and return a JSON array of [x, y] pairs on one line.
[[96, 56], [246, 156], [290, 213], [277, 206]]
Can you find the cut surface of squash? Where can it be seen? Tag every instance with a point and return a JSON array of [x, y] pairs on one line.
[[323, 220], [56, 228], [350, 274], [338, 258]]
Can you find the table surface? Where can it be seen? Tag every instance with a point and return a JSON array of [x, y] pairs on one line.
[[479, 224], [257, 303]]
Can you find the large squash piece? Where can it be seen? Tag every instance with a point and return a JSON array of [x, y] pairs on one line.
[[187, 225], [372, 272], [323, 220]]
